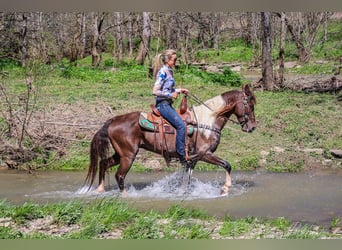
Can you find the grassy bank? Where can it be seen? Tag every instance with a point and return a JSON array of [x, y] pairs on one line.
[[113, 219]]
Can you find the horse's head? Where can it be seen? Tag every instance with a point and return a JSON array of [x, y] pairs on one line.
[[244, 109]]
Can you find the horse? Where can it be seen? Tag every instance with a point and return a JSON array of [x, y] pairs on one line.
[[126, 136]]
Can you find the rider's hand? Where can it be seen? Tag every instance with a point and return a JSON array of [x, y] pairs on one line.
[[181, 90], [175, 95], [185, 91]]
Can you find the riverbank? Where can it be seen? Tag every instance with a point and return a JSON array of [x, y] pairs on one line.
[[113, 219]]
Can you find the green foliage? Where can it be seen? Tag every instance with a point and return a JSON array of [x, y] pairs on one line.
[[226, 78], [335, 222], [7, 233], [96, 218], [281, 223], [8, 64], [235, 228], [234, 50], [305, 232], [249, 163], [284, 162], [186, 229], [144, 227], [67, 213], [4, 209], [177, 212], [27, 212], [126, 72], [314, 68], [102, 215]]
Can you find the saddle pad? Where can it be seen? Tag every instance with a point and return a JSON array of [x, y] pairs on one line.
[[145, 123]]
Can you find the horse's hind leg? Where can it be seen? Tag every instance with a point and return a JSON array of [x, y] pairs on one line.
[[125, 165], [105, 164]]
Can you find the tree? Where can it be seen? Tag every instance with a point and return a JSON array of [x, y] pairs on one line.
[[97, 26], [267, 68], [174, 29], [304, 34], [282, 49], [119, 36], [146, 38]]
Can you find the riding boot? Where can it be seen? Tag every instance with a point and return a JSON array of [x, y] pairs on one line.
[[183, 161]]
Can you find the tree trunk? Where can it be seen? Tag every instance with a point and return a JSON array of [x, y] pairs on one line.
[[282, 49], [119, 38], [83, 36], [146, 38], [24, 39], [173, 38], [130, 35], [267, 68], [75, 43], [95, 51], [216, 29]]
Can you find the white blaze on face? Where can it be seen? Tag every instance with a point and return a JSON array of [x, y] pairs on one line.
[[207, 116]]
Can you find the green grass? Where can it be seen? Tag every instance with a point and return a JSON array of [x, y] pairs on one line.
[[111, 216]]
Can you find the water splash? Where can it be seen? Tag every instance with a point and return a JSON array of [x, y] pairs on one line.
[[169, 187]]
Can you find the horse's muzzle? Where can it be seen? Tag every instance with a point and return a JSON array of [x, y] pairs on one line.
[[251, 130], [248, 129]]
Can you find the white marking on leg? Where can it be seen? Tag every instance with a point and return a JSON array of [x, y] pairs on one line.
[[227, 185]]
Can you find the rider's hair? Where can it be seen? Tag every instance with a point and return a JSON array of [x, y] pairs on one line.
[[162, 59]]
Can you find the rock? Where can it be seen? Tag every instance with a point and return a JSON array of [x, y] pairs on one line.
[[236, 68], [290, 64], [213, 69], [314, 150], [336, 153]]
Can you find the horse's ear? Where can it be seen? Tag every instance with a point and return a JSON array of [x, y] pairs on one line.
[[246, 89], [249, 92]]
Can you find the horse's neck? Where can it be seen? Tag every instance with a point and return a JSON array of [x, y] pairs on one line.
[[207, 114]]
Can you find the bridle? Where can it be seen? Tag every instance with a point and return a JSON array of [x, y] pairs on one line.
[[247, 111]]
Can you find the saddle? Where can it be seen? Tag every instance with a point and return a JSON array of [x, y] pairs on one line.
[[153, 120]]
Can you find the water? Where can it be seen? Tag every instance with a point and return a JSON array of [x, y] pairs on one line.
[[312, 197]]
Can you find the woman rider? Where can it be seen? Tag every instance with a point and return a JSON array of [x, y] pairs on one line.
[[165, 92]]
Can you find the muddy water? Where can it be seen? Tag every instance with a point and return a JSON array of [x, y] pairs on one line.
[[312, 197]]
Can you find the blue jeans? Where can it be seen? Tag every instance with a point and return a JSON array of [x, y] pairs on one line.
[[168, 112]]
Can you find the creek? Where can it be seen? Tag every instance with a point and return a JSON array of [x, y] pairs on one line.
[[313, 197]]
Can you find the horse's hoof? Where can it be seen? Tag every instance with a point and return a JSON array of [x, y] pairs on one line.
[[224, 190], [99, 190], [123, 193], [223, 194]]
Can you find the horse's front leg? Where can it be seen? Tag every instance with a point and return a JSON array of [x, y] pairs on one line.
[[212, 159], [188, 169]]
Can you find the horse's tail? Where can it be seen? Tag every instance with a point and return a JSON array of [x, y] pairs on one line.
[[99, 148]]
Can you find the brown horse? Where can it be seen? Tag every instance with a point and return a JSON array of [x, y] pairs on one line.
[[126, 136]]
